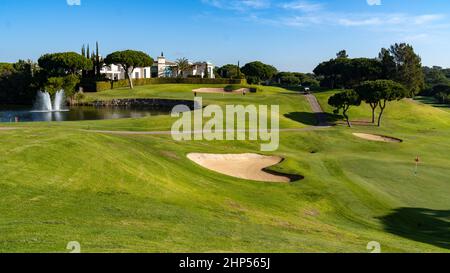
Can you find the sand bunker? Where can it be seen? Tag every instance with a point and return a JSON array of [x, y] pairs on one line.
[[244, 166], [377, 138], [220, 90]]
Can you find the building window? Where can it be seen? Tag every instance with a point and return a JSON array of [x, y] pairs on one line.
[[145, 73], [154, 71], [168, 72], [136, 75]]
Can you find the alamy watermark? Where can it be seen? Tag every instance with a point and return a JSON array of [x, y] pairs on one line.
[[74, 247], [374, 247], [233, 122]]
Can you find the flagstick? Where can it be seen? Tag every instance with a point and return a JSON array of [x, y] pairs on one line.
[[417, 165]]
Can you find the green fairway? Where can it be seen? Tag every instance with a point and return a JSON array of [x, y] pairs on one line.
[[62, 182]]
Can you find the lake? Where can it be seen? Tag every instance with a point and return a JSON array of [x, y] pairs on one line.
[[78, 113]]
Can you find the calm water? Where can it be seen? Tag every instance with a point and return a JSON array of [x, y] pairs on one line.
[[9, 114]]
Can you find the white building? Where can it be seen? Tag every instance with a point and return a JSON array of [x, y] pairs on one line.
[[202, 69], [116, 72], [162, 68]]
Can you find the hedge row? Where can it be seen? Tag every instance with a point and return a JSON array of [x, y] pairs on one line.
[[102, 86]]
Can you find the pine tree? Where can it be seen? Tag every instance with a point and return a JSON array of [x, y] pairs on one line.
[[408, 68], [342, 54], [388, 65]]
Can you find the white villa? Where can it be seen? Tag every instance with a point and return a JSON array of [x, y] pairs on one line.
[[162, 68]]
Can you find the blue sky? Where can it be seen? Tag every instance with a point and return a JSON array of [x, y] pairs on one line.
[[293, 35]]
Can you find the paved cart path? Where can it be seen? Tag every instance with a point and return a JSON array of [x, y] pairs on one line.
[[317, 109]]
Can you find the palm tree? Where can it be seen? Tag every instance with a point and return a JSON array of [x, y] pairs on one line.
[[182, 65]]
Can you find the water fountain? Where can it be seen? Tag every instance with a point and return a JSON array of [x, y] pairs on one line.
[[44, 102], [49, 108]]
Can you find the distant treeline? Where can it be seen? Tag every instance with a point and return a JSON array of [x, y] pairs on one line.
[[437, 83], [398, 63], [261, 73], [20, 81], [395, 74]]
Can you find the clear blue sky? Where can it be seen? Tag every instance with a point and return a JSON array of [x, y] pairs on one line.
[[293, 35]]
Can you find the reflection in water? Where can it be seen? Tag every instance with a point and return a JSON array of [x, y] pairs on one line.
[[80, 113]]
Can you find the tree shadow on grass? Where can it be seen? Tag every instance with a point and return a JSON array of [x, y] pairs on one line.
[[432, 101], [313, 119], [421, 225]]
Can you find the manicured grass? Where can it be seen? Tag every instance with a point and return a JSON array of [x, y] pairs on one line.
[[141, 194]]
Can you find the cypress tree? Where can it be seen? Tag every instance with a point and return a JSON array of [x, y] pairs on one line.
[[92, 72], [97, 61], [83, 53], [238, 70]]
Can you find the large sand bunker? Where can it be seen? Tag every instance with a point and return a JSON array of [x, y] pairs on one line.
[[221, 90], [244, 166], [377, 138]]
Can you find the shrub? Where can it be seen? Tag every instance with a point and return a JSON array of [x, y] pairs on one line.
[[254, 89], [99, 86], [79, 96], [232, 87]]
